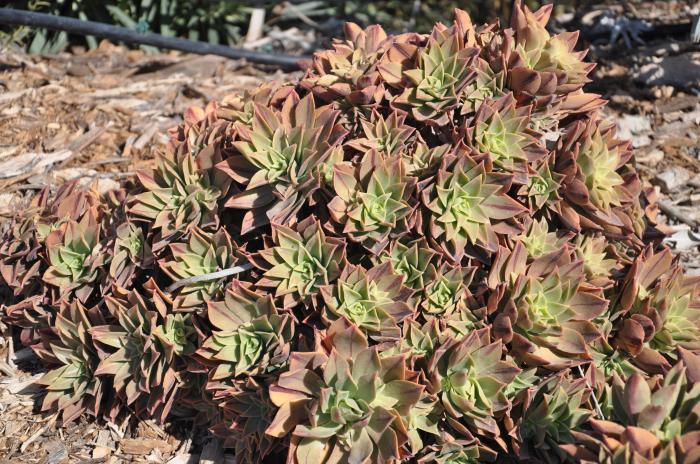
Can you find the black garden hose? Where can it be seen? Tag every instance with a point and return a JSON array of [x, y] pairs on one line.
[[12, 17]]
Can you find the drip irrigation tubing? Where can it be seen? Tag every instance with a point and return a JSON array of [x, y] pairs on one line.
[[13, 17]]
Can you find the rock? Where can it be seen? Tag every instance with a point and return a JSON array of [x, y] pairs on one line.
[[105, 185], [8, 201], [86, 178], [650, 158], [682, 71], [684, 240], [673, 178], [678, 103], [68, 174], [635, 128], [100, 452]]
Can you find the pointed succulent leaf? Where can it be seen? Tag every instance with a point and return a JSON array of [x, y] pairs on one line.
[[301, 261], [373, 300], [347, 403], [250, 336], [203, 254], [464, 204]]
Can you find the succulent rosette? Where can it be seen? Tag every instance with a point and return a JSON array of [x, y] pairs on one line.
[[467, 205], [442, 70], [20, 263], [662, 305], [458, 452], [279, 158], [75, 257], [374, 300], [344, 403], [349, 70], [131, 252], [421, 159], [597, 262], [447, 292], [389, 136], [241, 106], [539, 241], [178, 196], [542, 188], [487, 84], [142, 353], [469, 377], [24, 259], [413, 260], [599, 187], [73, 386], [300, 262], [418, 342], [650, 418], [555, 414], [203, 254], [541, 66], [245, 414], [423, 420], [177, 333], [372, 200], [547, 318], [249, 336], [501, 131]]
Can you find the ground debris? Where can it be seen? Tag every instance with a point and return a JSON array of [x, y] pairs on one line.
[[89, 109], [144, 446], [673, 178]]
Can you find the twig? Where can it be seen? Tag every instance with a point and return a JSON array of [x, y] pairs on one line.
[[598, 409], [112, 175], [299, 14], [672, 211], [160, 432], [82, 142], [113, 160], [210, 276], [138, 87], [15, 188], [34, 437], [6, 369], [12, 355]]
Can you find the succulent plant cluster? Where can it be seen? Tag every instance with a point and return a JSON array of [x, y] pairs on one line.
[[430, 249]]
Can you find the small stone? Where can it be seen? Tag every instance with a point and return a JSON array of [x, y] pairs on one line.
[[673, 178], [105, 185], [650, 158], [7, 200], [68, 174], [635, 128], [631, 124], [100, 452]]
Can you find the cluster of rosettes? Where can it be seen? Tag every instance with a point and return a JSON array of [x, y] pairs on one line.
[[429, 249]]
